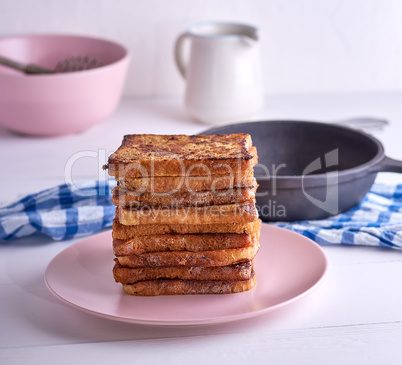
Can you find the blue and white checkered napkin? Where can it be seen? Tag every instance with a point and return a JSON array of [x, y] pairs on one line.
[[62, 212], [66, 212], [376, 221]]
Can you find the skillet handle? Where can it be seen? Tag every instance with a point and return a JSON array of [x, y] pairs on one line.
[[388, 164]]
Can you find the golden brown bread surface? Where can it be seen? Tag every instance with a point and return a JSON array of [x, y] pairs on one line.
[[126, 232], [186, 221], [126, 198], [188, 258], [209, 214], [190, 184], [126, 275], [177, 286], [181, 155], [183, 242]]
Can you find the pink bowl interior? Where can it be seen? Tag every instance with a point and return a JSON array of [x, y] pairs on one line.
[[48, 50]]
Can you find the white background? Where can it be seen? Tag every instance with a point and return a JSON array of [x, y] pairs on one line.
[[309, 46]]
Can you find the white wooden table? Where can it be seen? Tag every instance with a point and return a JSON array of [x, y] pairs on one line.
[[354, 317]]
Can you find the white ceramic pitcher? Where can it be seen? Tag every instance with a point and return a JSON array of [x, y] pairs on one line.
[[223, 72]]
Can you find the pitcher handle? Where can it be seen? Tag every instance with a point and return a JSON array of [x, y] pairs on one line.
[[179, 54]]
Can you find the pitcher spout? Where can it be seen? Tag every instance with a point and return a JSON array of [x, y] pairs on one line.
[[252, 38]]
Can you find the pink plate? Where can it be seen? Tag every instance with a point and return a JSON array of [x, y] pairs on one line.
[[288, 266]]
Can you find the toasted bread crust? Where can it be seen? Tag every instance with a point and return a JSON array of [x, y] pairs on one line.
[[126, 232], [191, 184], [177, 286], [183, 242], [179, 155], [126, 275], [126, 198], [188, 258], [229, 213]]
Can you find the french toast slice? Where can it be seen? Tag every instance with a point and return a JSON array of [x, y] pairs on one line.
[[189, 184], [127, 275], [228, 213], [183, 242], [126, 232], [143, 155], [126, 198], [177, 286], [188, 258]]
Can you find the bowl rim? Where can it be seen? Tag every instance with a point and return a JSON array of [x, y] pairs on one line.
[[125, 58]]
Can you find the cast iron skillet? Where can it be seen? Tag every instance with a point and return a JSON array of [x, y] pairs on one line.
[[309, 170]]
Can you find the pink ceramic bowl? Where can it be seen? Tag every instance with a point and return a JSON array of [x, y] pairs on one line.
[[57, 104]]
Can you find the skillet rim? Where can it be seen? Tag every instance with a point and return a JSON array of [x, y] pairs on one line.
[[353, 173]]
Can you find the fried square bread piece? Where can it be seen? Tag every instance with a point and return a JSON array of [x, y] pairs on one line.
[[126, 198], [127, 275], [183, 242], [177, 286], [188, 258], [228, 213], [127, 232], [143, 155], [190, 184]]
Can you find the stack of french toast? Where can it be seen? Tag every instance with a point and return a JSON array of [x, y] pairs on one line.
[[186, 221]]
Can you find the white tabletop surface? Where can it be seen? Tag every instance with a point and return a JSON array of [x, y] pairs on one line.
[[354, 317]]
